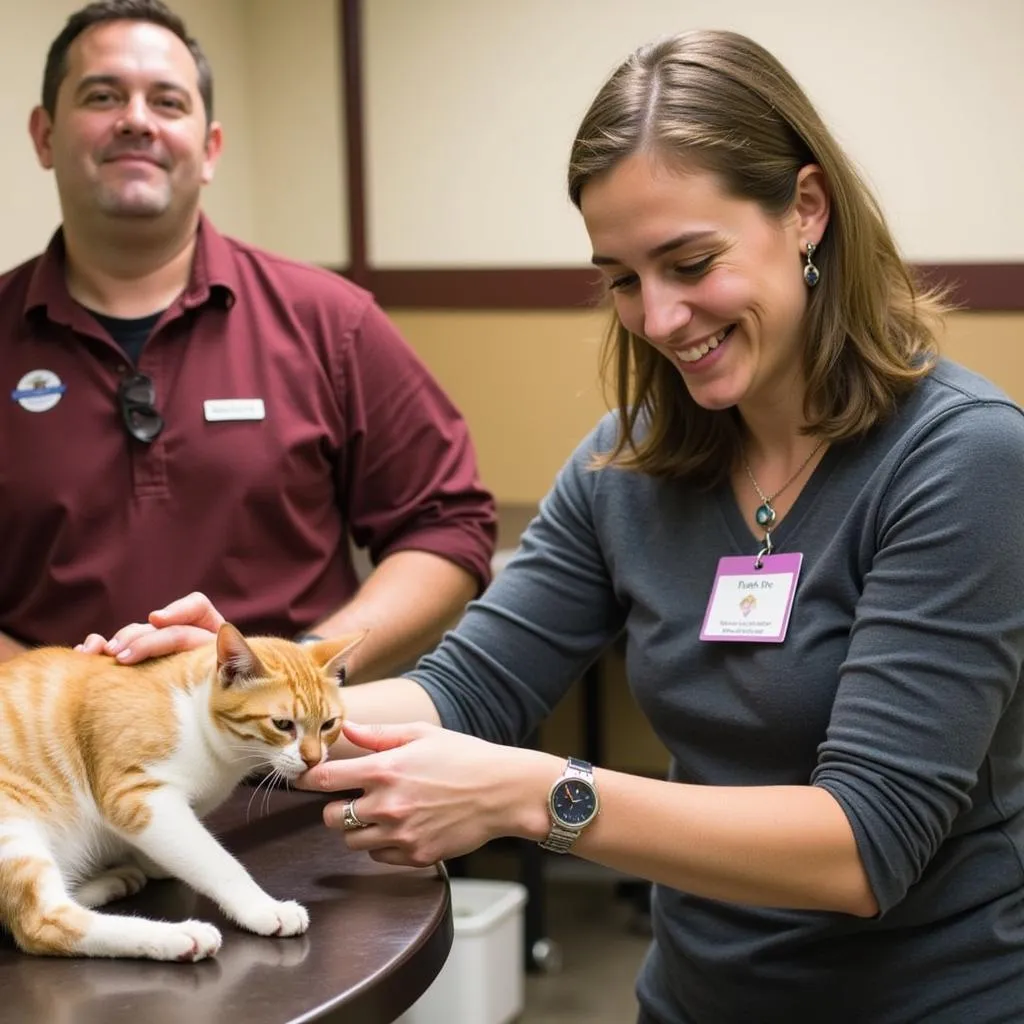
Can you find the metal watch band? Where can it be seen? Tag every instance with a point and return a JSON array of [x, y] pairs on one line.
[[561, 837], [579, 768]]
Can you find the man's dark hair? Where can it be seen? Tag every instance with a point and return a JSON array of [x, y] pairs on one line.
[[101, 11]]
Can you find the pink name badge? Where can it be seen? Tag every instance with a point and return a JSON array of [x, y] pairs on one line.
[[752, 605]]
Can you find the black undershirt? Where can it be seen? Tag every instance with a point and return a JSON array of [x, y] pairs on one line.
[[131, 334]]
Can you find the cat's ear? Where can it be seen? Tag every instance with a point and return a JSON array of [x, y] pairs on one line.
[[332, 654], [236, 660]]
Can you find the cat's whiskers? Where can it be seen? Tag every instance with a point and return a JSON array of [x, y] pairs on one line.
[[267, 780], [251, 756], [273, 777]]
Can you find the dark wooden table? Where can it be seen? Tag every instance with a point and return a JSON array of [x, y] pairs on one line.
[[377, 938]]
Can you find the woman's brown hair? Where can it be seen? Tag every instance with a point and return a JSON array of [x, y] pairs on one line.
[[719, 102]]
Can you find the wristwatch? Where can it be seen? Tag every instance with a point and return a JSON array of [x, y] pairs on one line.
[[573, 805]]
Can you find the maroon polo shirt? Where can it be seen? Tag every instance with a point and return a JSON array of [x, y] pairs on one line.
[[356, 439]]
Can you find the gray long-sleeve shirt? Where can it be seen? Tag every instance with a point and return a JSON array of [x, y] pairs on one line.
[[896, 689]]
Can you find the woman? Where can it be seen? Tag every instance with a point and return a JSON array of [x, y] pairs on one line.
[[807, 525]]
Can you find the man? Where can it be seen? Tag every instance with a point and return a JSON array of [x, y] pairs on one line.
[[187, 412]]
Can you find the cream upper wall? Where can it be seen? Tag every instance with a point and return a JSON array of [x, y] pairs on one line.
[[279, 182], [472, 106], [297, 129]]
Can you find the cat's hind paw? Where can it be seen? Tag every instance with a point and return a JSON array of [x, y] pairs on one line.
[[114, 884], [276, 917]]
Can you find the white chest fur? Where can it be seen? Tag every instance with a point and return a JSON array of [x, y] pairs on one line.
[[203, 767]]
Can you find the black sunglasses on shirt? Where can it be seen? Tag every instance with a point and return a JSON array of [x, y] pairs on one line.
[[136, 397]]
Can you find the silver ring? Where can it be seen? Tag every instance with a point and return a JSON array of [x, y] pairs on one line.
[[349, 819]]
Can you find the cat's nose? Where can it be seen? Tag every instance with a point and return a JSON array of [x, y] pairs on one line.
[[311, 759]]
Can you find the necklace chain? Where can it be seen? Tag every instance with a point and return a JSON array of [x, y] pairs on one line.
[[765, 514]]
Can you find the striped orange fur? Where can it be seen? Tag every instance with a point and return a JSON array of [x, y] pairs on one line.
[[106, 770]]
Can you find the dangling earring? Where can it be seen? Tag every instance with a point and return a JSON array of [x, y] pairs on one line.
[[811, 273]]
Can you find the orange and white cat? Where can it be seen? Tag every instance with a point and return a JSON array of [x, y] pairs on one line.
[[106, 771]]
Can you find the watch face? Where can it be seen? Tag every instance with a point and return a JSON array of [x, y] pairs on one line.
[[574, 802]]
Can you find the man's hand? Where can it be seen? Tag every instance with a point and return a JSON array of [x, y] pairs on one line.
[[180, 626]]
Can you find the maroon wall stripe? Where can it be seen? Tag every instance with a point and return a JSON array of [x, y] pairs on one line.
[[975, 286], [500, 288], [988, 287]]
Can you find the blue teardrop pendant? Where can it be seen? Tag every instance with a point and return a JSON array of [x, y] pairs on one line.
[[765, 515]]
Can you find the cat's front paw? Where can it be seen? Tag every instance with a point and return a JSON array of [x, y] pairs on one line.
[[184, 941], [275, 917], [190, 941]]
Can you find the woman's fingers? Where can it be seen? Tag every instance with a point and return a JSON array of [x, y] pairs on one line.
[[384, 737], [397, 858], [427, 793]]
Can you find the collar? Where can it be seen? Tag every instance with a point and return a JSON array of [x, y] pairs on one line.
[[212, 279], [214, 274]]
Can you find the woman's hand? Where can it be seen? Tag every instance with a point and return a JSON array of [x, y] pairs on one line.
[[429, 794], [183, 624]]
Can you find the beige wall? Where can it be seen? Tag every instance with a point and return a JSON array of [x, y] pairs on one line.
[[528, 381]]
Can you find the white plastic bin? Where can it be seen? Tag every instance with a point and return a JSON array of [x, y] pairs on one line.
[[482, 981]]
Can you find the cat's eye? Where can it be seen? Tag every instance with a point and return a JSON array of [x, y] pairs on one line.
[[328, 725], [284, 724]]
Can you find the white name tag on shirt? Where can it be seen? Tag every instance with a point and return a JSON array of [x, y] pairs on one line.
[[219, 409]]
